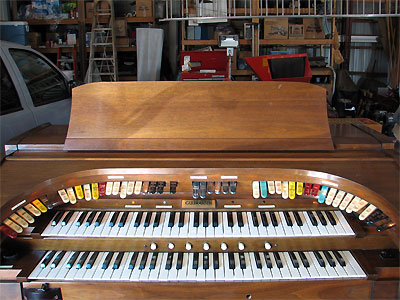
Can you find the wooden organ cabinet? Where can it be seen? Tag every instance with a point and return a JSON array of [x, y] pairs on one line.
[[199, 190]]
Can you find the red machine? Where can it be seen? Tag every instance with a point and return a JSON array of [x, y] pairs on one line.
[[204, 65], [286, 67]]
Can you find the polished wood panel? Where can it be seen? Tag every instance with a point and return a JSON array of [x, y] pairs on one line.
[[202, 116]]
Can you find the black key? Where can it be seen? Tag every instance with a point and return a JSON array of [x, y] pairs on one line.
[[232, 187], [258, 260], [210, 187], [57, 218], [99, 218], [294, 260], [278, 260], [157, 219], [215, 219], [319, 258], [339, 258], [144, 260], [274, 220], [195, 187], [47, 259], [82, 260], [203, 189], [240, 218], [122, 221], [132, 263], [67, 218], [117, 261], [172, 187], [288, 218], [296, 215], [231, 261], [230, 219], [321, 218], [225, 187], [57, 260], [195, 264], [72, 259], [268, 260], [91, 260], [171, 221], [206, 261], [179, 261], [138, 219], [90, 219], [160, 187], [152, 187], [330, 218], [113, 219], [215, 261], [147, 219], [242, 261], [168, 265], [196, 219], [254, 218], [304, 259], [153, 261], [312, 218], [205, 219], [107, 260], [81, 218], [181, 220], [329, 258]]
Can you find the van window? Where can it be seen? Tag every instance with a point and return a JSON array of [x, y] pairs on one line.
[[45, 84], [9, 97]]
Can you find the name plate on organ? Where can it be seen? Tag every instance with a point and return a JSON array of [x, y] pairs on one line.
[[198, 116], [198, 203]]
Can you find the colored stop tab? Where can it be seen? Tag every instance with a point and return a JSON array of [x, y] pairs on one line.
[[292, 190], [39, 205], [102, 189], [307, 189], [8, 232], [95, 190], [315, 190], [79, 192]]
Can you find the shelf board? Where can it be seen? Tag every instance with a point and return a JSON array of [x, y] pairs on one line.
[[127, 78], [242, 72], [54, 50], [210, 42], [119, 48], [128, 20], [321, 71], [297, 42], [52, 21]]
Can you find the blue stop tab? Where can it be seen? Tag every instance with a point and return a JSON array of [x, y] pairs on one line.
[[323, 193], [263, 187]]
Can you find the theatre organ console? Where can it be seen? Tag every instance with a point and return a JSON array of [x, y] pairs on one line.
[[185, 190]]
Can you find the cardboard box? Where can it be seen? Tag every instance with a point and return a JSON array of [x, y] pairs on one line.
[[35, 39], [296, 32], [276, 28], [144, 8], [123, 41], [313, 28], [89, 10], [121, 28]]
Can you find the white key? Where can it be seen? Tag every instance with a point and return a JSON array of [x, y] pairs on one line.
[[263, 231], [163, 275], [115, 229], [148, 232], [115, 188], [253, 230], [53, 230], [89, 230], [305, 228], [321, 270], [314, 229], [201, 274], [219, 231], [338, 227], [245, 229], [229, 273], [220, 272], [191, 273], [322, 229], [109, 187], [331, 229], [295, 274], [256, 189], [271, 187], [210, 274], [63, 266], [136, 271], [166, 231], [275, 271], [210, 229], [330, 270], [81, 229], [140, 229], [257, 273], [71, 273], [98, 274], [175, 228], [80, 274], [73, 228], [227, 230], [126, 272], [201, 230], [344, 223], [347, 199], [312, 268], [348, 268], [286, 271], [98, 229], [90, 272], [130, 188], [339, 269], [36, 271], [54, 272], [144, 274], [236, 229], [173, 273], [153, 276], [157, 231], [302, 269], [132, 229], [44, 274], [182, 274], [280, 229], [107, 229], [124, 188], [138, 187], [248, 272], [331, 195], [265, 270], [64, 229], [238, 271], [118, 272], [296, 228], [288, 229], [192, 233], [184, 230], [124, 230], [354, 264]]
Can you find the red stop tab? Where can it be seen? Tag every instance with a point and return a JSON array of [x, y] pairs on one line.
[[307, 189], [7, 231], [315, 190], [102, 188]]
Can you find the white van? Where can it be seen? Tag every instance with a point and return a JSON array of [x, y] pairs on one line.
[[33, 91]]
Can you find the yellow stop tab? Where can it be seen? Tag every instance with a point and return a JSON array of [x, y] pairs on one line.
[[39, 205], [79, 192], [292, 190], [299, 188], [95, 190]]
